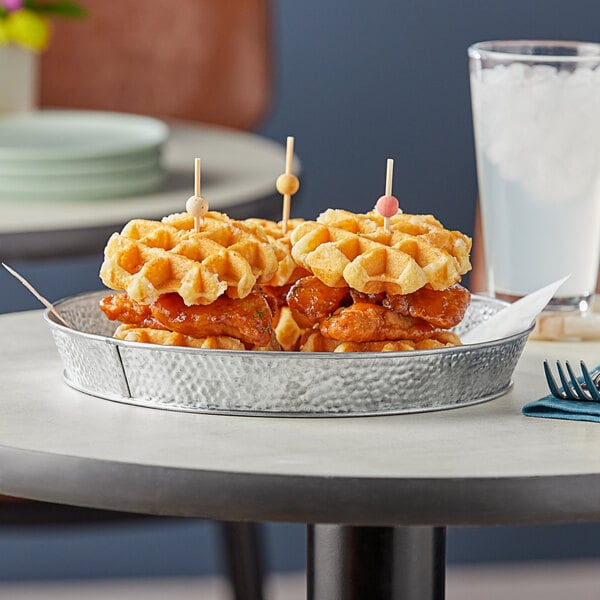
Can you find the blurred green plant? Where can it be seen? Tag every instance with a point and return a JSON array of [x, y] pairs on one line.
[[26, 23]]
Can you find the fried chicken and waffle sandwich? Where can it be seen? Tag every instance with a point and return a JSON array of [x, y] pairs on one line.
[[289, 326], [197, 289], [340, 283], [377, 290]]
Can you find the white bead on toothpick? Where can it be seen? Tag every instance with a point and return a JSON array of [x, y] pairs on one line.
[[196, 205], [387, 205], [287, 183]]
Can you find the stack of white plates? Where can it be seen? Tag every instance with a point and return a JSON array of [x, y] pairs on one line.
[[79, 155]]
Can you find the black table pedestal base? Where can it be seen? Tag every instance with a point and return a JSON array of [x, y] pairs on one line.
[[243, 553], [376, 563]]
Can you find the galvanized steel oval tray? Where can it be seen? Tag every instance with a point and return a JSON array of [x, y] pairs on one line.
[[280, 383]]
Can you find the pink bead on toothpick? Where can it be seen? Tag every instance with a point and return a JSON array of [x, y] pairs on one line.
[[196, 205], [387, 205]]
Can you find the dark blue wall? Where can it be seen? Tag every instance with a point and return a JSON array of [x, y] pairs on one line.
[[360, 81], [356, 82], [189, 548]]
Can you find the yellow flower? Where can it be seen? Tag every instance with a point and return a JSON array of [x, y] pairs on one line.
[[4, 37], [28, 29]]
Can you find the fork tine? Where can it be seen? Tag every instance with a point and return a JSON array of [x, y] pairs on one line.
[[567, 389], [552, 382], [592, 389], [578, 389]]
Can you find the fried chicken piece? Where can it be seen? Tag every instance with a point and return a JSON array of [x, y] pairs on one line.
[[120, 307], [276, 295], [370, 298], [247, 319], [365, 322], [442, 308], [312, 298], [277, 299]]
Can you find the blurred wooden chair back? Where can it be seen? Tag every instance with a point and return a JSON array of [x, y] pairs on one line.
[[196, 60]]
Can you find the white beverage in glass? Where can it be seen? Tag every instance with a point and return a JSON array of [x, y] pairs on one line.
[[537, 139]]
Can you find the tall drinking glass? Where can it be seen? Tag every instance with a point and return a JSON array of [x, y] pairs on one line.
[[536, 116]]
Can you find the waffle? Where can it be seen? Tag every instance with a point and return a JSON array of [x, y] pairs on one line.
[[273, 229], [345, 249], [316, 342], [287, 270], [132, 333], [151, 258], [287, 331]]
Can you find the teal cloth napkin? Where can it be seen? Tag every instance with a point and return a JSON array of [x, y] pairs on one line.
[[555, 408]]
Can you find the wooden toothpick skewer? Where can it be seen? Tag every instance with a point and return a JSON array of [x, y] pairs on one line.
[[289, 154], [287, 197], [287, 183], [387, 205], [41, 298], [196, 205], [389, 177], [197, 175]]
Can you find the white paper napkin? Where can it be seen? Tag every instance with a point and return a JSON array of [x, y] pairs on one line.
[[514, 318]]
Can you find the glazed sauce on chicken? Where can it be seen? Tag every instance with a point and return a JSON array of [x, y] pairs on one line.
[[247, 319]]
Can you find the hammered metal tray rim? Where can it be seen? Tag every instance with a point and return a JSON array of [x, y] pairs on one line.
[[287, 414], [53, 322]]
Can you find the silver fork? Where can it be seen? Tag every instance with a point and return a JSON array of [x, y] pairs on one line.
[[572, 389]]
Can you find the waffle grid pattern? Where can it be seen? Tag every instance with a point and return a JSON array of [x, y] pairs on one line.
[[151, 258], [345, 249]]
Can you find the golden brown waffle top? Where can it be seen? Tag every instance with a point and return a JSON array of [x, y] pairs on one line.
[[288, 270], [151, 258], [274, 230], [346, 249]]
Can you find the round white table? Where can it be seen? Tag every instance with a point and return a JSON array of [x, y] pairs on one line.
[[239, 170], [376, 492]]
